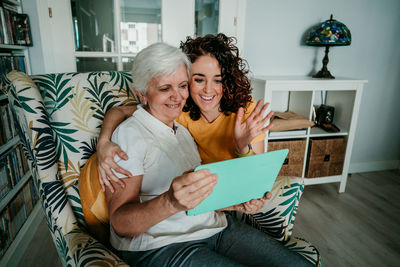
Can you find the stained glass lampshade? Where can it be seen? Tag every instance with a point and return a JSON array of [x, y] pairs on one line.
[[328, 33]]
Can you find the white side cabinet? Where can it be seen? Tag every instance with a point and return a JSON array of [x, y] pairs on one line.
[[300, 95]]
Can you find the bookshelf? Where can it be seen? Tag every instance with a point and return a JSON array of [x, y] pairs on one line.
[[18, 196], [15, 38], [300, 95]]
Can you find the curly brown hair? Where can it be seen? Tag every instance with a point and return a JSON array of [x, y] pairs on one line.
[[235, 84]]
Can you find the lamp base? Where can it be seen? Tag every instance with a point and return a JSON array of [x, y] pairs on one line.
[[324, 74]]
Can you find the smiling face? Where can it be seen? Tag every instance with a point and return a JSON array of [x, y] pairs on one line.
[[206, 86], [166, 95]]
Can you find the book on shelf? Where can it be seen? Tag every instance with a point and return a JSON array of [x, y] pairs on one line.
[[19, 162], [5, 179], [34, 194], [5, 231], [17, 213], [4, 186], [24, 162], [8, 27], [2, 134], [5, 124], [11, 62], [12, 121], [13, 166], [18, 174], [297, 132], [10, 7], [28, 198], [3, 36], [11, 171]]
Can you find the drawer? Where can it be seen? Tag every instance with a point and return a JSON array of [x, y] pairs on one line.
[[326, 157], [293, 165]]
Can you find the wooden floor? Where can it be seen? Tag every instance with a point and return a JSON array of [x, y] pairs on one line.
[[358, 228], [41, 252]]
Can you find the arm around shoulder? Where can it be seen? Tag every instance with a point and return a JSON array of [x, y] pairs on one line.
[[112, 119], [107, 149]]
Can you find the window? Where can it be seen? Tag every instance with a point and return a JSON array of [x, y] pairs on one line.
[[96, 63], [93, 22], [206, 17], [109, 33], [141, 19]]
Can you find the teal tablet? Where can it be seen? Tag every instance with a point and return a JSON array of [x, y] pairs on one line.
[[241, 179]]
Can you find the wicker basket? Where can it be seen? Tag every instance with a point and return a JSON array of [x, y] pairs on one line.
[[293, 165], [326, 157]]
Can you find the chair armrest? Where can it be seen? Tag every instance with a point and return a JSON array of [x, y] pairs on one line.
[[305, 249], [87, 251]]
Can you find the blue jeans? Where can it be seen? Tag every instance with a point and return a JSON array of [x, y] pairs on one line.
[[237, 245]]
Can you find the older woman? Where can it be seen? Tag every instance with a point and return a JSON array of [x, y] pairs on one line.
[[148, 221]]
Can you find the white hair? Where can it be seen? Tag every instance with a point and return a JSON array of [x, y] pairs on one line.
[[156, 60]]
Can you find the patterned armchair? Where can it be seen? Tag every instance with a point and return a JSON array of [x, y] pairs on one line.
[[60, 116]]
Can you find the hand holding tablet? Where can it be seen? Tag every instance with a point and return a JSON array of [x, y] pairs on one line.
[[241, 179]]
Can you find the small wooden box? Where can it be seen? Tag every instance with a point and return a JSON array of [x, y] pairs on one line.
[[293, 165], [326, 157]]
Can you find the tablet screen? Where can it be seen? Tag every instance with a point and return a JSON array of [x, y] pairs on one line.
[[241, 179]]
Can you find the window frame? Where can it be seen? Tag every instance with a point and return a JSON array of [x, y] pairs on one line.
[[54, 51], [117, 35]]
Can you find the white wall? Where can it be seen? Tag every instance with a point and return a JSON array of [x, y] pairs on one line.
[[53, 43], [273, 46], [39, 63], [232, 19], [177, 14]]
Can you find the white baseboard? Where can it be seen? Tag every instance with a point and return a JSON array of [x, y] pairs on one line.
[[374, 166], [17, 248]]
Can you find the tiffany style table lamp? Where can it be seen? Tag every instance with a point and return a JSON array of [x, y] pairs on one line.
[[328, 33]]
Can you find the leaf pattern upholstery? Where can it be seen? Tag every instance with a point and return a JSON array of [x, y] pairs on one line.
[[277, 216], [61, 116], [305, 249]]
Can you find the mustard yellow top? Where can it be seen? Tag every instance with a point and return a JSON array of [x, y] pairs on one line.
[[215, 140]]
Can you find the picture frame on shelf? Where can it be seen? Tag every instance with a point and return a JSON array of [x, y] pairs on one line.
[[14, 26], [22, 29]]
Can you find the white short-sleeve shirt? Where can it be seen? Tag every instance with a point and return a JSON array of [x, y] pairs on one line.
[[160, 154]]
